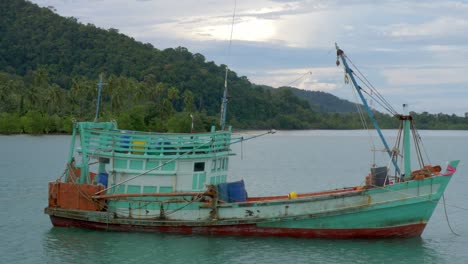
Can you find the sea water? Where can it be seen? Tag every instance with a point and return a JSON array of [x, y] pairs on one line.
[[299, 161]]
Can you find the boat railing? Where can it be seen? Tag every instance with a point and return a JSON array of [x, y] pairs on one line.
[[134, 144]]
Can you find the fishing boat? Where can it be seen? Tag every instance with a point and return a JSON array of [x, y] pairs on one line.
[[123, 180]]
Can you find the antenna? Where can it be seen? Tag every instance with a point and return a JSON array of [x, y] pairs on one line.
[[98, 103], [224, 101]]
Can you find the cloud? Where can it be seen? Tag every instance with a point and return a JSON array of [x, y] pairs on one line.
[[314, 78], [440, 27], [403, 47], [426, 76]]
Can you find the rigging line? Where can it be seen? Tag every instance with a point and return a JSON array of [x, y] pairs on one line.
[[378, 93], [225, 92], [230, 43], [418, 143], [397, 145], [417, 146], [302, 76], [364, 123], [242, 139], [422, 144], [380, 103], [446, 217], [379, 100], [372, 88]]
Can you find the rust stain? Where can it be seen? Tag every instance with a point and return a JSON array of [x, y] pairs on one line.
[[74, 196]]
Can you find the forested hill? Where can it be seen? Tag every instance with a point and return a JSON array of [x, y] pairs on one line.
[[49, 66], [325, 102]]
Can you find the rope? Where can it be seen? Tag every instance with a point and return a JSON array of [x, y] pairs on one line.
[[242, 139], [364, 123], [370, 86], [417, 145], [415, 131], [378, 101], [302, 76], [446, 217], [230, 44]]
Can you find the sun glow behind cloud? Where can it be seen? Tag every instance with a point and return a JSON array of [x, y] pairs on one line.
[[405, 45], [250, 29]]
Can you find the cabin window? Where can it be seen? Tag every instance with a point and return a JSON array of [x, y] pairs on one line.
[[150, 189], [169, 166], [220, 162], [199, 166], [165, 189], [222, 178], [133, 189], [213, 165]]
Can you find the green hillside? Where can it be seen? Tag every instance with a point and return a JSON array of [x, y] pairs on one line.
[[325, 102], [49, 67]]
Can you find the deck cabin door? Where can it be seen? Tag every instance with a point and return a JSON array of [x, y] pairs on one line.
[[184, 176]]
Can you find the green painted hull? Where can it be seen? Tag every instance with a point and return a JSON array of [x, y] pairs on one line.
[[399, 210]]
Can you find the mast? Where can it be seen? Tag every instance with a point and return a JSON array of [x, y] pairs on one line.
[[358, 88], [406, 118], [224, 102], [98, 103]]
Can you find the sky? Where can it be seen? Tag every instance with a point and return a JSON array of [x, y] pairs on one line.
[[413, 52]]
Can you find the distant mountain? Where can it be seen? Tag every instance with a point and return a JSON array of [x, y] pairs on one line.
[[325, 102], [49, 66], [40, 49]]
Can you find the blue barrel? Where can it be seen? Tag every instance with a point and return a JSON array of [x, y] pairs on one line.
[[223, 194], [103, 178], [236, 191], [379, 176]]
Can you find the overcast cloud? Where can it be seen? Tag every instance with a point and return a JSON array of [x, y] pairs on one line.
[[414, 52]]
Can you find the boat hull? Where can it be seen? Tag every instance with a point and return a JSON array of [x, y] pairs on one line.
[[398, 210], [403, 231]]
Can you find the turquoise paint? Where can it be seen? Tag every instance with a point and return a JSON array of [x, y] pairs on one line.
[[136, 164], [120, 189], [150, 189], [120, 163], [391, 212], [133, 189], [201, 180], [151, 164], [84, 177], [165, 189], [407, 147], [370, 217], [195, 181], [102, 167], [213, 165], [169, 166]]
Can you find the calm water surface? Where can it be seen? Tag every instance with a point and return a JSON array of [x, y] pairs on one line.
[[276, 164]]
